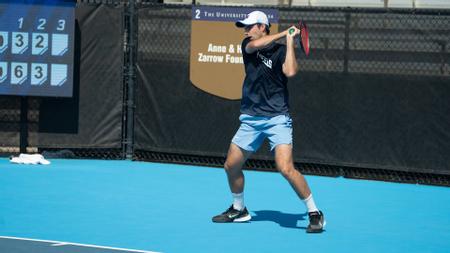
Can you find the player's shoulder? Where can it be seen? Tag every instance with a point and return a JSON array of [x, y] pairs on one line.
[[246, 40]]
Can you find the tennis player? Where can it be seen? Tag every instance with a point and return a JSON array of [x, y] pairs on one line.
[[265, 114]]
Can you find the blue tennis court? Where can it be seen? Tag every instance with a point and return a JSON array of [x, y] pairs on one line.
[[122, 206]]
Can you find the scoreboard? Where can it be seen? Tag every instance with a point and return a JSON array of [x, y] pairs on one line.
[[37, 47]]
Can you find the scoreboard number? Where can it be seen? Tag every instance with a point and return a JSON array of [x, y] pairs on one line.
[[3, 71], [42, 22], [20, 20], [19, 42], [38, 73], [3, 41], [61, 25], [40, 43], [19, 72]]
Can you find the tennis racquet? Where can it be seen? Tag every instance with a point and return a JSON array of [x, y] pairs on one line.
[[304, 36]]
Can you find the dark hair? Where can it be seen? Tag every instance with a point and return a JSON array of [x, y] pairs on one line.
[[267, 30]]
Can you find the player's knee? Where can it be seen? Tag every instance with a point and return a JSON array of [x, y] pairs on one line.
[[227, 166], [230, 166], [286, 170]]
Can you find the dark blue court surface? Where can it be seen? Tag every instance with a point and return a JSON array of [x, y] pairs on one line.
[[81, 206], [25, 245]]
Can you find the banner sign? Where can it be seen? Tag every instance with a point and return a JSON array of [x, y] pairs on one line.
[[216, 63]]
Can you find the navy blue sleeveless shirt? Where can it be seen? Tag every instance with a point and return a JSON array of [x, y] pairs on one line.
[[264, 92]]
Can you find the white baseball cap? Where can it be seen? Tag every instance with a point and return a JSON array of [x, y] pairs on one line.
[[254, 17]]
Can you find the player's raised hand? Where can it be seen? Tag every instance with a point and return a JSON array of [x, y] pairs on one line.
[[292, 32]]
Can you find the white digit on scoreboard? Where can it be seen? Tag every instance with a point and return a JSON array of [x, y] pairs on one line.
[[19, 72]]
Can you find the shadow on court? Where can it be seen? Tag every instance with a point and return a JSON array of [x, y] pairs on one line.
[[286, 220]]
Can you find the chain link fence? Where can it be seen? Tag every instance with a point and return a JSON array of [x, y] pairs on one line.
[[9, 124], [367, 41], [349, 41], [344, 40]]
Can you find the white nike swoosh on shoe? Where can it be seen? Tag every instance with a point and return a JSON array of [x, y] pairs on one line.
[[232, 216]]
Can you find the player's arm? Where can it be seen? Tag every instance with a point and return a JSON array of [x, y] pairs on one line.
[[262, 42], [290, 66]]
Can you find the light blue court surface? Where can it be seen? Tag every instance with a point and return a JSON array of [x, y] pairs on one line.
[[168, 208]]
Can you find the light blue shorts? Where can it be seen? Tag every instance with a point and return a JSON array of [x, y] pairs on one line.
[[254, 129]]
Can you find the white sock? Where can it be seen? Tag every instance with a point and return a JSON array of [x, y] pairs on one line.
[[309, 202], [238, 201]]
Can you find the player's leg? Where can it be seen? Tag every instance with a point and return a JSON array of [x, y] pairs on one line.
[[285, 165], [236, 158], [237, 212], [246, 140], [279, 133]]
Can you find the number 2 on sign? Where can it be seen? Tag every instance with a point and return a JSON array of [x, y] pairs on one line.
[[197, 14]]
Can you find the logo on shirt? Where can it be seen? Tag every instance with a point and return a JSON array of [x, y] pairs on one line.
[[265, 60]]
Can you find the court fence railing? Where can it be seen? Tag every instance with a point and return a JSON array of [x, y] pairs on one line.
[[15, 126]]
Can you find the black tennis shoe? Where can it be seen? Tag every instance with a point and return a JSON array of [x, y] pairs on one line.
[[232, 215], [316, 222]]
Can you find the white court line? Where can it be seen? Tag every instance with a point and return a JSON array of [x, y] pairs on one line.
[[58, 243]]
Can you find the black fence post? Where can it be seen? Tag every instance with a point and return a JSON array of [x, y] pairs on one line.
[[346, 42], [130, 79], [23, 124], [444, 59]]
